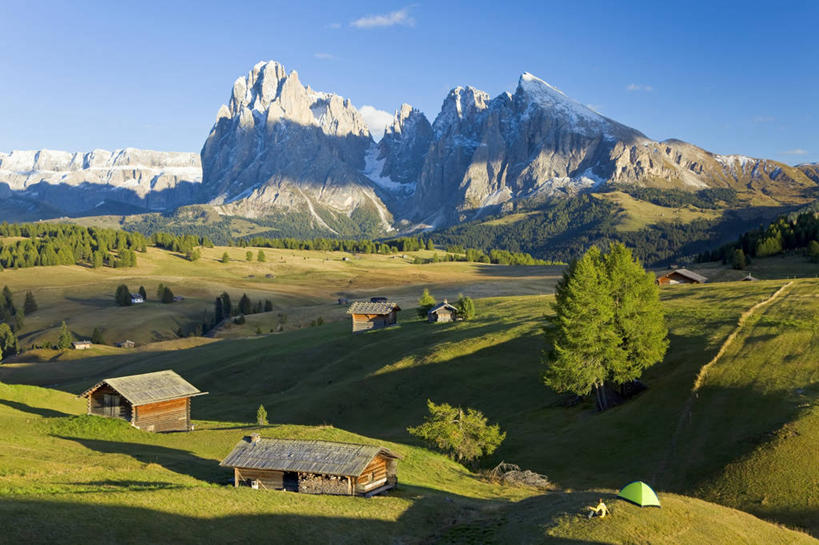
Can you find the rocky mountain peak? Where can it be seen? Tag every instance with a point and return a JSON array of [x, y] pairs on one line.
[[461, 105], [405, 143]]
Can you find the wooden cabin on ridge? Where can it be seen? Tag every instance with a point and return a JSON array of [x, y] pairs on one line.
[[442, 312], [159, 401], [373, 315], [312, 467], [681, 276]]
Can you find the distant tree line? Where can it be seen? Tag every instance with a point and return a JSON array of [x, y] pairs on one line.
[[562, 230], [786, 234], [224, 308], [709, 198], [47, 244]]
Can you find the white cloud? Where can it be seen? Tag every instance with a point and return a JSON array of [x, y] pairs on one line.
[[398, 17], [324, 56], [796, 151], [377, 120], [638, 87]]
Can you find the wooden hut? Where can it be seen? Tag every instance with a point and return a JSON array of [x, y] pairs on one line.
[[681, 276], [127, 343], [442, 312], [312, 467], [81, 345], [749, 278], [369, 315], [158, 401]]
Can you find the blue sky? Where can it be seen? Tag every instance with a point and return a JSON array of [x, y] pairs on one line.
[[732, 77]]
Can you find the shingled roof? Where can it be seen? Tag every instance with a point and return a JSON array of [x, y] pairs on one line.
[[368, 307], [318, 457], [440, 306], [149, 388], [688, 274]]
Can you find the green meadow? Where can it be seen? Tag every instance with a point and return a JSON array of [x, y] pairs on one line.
[[733, 461]]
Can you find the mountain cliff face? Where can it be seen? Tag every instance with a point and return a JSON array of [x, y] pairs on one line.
[[71, 183], [283, 152], [279, 146]]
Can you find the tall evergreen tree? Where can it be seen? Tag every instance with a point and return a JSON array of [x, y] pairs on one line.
[[227, 307], [225, 258], [466, 307], [245, 306], [123, 295], [425, 302], [143, 293], [160, 290], [65, 339], [585, 339], [8, 341], [609, 323], [97, 337], [268, 305], [260, 257], [167, 295], [639, 320], [30, 304]]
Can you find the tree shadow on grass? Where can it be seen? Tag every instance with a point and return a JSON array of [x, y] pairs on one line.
[[176, 460], [432, 519], [39, 411]]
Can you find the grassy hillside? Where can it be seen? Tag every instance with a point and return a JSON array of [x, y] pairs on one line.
[[323, 375], [69, 479], [301, 284]]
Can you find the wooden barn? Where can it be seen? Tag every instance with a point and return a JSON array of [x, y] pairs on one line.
[[158, 401], [442, 312], [370, 315], [312, 467], [681, 276], [81, 345]]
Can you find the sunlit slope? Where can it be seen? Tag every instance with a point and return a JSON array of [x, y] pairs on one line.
[[66, 478]]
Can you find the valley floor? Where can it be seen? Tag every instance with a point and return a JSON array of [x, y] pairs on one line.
[[743, 440]]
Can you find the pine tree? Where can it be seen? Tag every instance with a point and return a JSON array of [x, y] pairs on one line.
[[122, 295], [261, 416], [30, 304], [268, 305], [466, 307], [248, 256], [167, 295], [610, 324], [143, 293], [160, 290], [97, 337], [738, 259], [245, 305], [260, 257], [225, 258], [65, 339], [639, 320], [227, 307], [585, 338], [8, 341], [425, 302], [464, 435]]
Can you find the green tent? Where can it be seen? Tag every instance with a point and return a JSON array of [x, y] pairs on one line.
[[639, 493]]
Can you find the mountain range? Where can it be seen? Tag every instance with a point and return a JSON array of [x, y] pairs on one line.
[[280, 149]]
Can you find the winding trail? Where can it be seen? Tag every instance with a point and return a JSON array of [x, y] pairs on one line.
[[685, 417]]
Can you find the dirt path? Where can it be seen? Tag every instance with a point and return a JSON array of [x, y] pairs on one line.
[[685, 416]]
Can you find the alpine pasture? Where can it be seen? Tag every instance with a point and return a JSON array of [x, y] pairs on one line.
[[733, 460]]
